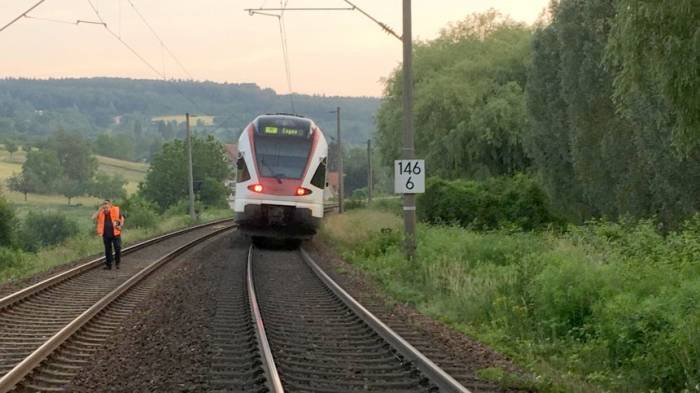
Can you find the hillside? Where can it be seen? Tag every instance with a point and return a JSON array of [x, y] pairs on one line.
[[133, 172], [36, 108]]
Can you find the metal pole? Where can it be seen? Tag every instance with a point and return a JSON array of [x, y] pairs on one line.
[[190, 178], [369, 171], [408, 151], [341, 178]]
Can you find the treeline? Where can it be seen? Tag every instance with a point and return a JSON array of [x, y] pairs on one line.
[[66, 165], [36, 108], [598, 103]]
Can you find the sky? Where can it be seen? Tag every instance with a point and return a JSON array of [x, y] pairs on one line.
[[330, 53]]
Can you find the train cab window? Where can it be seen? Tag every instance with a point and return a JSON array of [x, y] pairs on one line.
[[243, 173], [282, 150], [319, 179]]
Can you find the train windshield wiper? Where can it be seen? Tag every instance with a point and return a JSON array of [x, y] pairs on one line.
[[278, 176]]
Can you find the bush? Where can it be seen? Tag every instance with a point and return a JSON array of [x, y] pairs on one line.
[[392, 205], [10, 258], [213, 193], [517, 202], [8, 224], [182, 208], [601, 307], [139, 213], [46, 229]]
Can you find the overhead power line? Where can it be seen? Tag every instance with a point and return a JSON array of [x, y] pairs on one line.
[[142, 58], [353, 7], [13, 21], [162, 43]]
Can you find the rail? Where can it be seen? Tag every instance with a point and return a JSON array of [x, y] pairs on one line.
[[26, 366]]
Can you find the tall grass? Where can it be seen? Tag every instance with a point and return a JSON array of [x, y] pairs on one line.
[[21, 265], [604, 307]]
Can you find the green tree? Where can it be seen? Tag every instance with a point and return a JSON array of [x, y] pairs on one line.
[[104, 186], [166, 180], [42, 170], [595, 160], [469, 100], [656, 47], [20, 183], [75, 156], [11, 148], [72, 188], [355, 168]]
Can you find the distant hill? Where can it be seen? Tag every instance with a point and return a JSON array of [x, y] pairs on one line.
[[37, 107]]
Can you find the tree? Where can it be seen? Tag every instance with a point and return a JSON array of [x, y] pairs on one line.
[[656, 48], [166, 180], [42, 170], [11, 148], [71, 188], [593, 158], [8, 224], [75, 156], [20, 183], [105, 186], [469, 100]]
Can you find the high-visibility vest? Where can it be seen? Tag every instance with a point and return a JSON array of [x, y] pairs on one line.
[[116, 219]]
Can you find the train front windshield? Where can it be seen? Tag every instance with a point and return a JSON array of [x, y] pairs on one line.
[[282, 152]]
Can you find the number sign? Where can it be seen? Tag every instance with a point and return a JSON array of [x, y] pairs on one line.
[[409, 176]]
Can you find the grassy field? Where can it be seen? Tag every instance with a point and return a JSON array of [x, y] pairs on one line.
[[132, 172], [606, 307], [206, 120]]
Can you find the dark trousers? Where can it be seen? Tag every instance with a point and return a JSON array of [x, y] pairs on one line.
[[115, 241]]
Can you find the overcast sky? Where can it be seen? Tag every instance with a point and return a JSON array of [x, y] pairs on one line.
[[331, 53]]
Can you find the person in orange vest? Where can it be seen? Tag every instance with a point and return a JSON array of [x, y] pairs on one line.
[[110, 221]]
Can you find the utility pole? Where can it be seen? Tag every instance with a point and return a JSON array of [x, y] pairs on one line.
[[408, 151], [190, 178], [369, 171], [341, 178]]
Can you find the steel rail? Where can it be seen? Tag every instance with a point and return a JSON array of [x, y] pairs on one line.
[[437, 375], [26, 366], [31, 290], [272, 375]]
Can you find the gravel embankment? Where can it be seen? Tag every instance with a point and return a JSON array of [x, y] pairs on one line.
[[165, 346]]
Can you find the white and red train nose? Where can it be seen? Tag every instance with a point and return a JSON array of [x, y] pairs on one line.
[[281, 177]]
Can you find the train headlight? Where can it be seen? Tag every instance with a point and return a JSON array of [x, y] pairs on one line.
[[301, 191], [255, 187]]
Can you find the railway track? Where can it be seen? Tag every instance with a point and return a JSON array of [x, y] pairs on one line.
[[50, 330], [314, 337]]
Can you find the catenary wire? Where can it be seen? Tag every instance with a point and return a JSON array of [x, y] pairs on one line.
[[13, 21], [162, 43], [143, 59]]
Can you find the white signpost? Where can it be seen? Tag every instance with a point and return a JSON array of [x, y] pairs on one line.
[[409, 176]]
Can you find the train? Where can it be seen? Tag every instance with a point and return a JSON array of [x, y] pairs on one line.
[[281, 177]]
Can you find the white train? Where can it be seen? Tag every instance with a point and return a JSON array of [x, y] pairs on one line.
[[281, 177]]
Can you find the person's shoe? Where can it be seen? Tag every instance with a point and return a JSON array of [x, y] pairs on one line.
[[107, 268], [117, 266]]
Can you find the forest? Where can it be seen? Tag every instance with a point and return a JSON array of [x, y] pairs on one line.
[[32, 109]]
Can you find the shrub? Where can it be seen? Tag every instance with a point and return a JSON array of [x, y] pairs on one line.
[[517, 202], [182, 207], [392, 205], [213, 193], [10, 258], [8, 224], [45, 229], [139, 213]]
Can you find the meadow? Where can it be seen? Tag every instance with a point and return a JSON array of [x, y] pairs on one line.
[[604, 307], [132, 172]]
